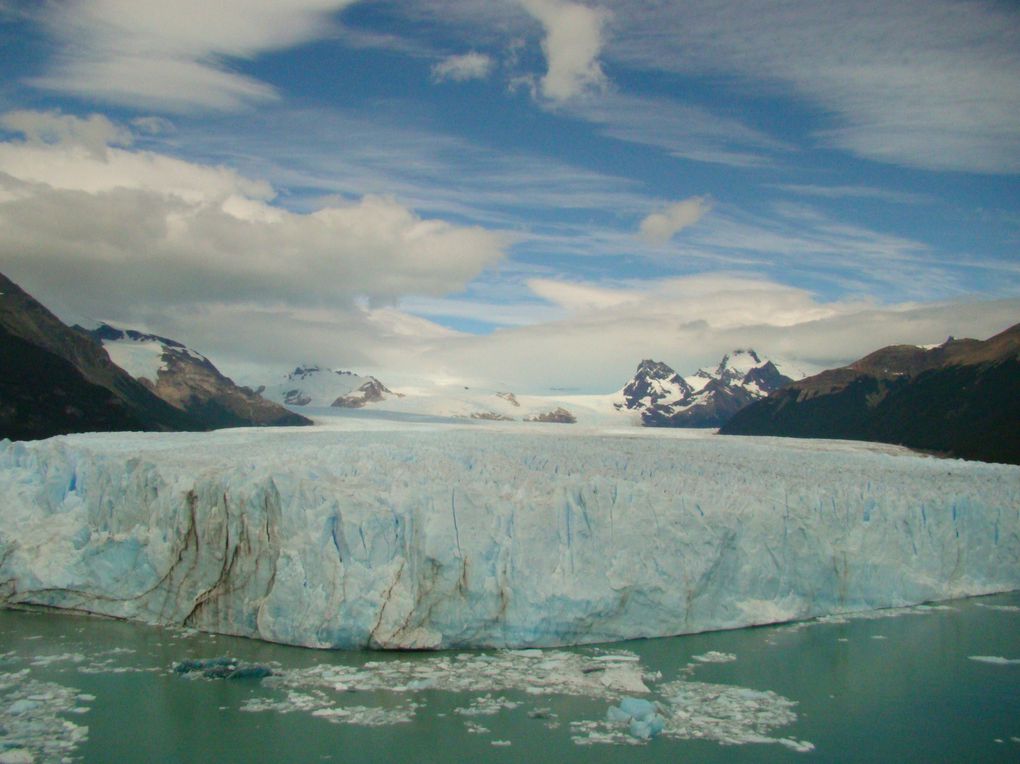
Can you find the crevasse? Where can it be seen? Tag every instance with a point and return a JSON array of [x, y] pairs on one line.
[[482, 537]]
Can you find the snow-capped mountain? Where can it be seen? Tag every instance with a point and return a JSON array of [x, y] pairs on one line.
[[707, 398], [55, 379], [189, 381], [313, 385]]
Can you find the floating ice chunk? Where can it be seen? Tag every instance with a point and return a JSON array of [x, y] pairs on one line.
[[713, 656], [800, 746], [539, 672], [48, 660], [223, 667], [17, 756], [29, 718], [486, 706], [726, 714], [641, 717]]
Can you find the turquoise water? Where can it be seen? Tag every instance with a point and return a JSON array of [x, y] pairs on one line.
[[900, 687]]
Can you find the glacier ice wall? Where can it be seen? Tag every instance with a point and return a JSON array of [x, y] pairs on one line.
[[472, 537]]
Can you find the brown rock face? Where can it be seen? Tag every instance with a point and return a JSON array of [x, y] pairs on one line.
[[371, 391], [559, 415], [190, 382]]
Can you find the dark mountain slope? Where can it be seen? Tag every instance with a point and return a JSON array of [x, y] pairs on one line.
[[56, 380], [961, 398]]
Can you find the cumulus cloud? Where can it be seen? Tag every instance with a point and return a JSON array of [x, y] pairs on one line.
[[660, 227], [94, 133], [690, 322], [469, 66], [129, 233], [572, 43], [172, 56]]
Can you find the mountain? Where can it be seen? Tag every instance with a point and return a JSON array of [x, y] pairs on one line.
[[312, 385], [708, 398], [56, 380], [961, 398], [189, 381]]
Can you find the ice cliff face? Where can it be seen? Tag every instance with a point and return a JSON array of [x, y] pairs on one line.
[[474, 536]]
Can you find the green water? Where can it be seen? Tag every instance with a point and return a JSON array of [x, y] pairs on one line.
[[901, 688]]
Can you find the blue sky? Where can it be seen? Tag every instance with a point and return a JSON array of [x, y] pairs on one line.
[[530, 193]]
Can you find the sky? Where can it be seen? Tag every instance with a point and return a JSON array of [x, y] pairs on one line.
[[529, 194]]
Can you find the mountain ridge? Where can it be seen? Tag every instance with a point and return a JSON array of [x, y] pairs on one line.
[[961, 398], [708, 398], [58, 380], [191, 382]]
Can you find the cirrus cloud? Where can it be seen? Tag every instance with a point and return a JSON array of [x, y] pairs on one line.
[[173, 56]]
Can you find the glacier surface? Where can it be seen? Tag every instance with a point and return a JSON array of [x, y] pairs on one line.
[[396, 535]]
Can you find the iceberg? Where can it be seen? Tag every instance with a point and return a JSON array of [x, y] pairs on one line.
[[401, 536]]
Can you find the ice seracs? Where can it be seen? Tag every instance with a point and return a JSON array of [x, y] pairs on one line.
[[491, 534]]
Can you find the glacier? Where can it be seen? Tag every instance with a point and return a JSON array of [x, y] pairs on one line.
[[397, 535]]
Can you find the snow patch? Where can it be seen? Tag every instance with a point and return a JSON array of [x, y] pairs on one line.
[[142, 360]]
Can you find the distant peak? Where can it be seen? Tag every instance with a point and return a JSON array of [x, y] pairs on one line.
[[655, 369], [108, 333]]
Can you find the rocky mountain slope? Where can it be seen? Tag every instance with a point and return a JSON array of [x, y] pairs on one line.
[[190, 382], [56, 380], [708, 398], [312, 385], [961, 398]]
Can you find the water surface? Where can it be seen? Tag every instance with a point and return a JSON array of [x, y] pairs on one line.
[[922, 684]]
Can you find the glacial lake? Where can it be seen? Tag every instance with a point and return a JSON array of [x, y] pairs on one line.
[[937, 683]]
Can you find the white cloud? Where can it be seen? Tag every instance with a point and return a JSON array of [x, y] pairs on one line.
[[572, 43], [172, 56], [934, 85], [468, 66], [133, 233], [94, 133], [690, 322], [353, 153], [854, 192], [681, 129], [660, 227], [200, 253]]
